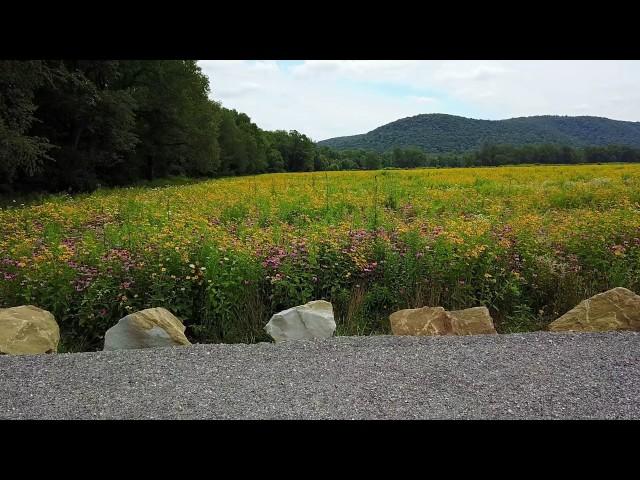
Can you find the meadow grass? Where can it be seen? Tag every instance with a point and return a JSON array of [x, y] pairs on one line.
[[224, 255]]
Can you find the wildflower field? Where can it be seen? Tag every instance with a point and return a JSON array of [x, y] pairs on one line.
[[223, 255]]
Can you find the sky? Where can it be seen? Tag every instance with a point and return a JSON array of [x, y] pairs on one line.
[[332, 98]]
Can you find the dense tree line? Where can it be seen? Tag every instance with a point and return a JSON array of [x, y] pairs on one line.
[[74, 125], [488, 155]]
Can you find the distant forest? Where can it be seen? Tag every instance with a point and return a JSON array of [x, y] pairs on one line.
[[75, 125], [488, 155], [440, 133]]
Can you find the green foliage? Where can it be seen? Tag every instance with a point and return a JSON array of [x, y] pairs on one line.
[[297, 150], [521, 320], [19, 150], [486, 155], [439, 133], [76, 125], [529, 243]]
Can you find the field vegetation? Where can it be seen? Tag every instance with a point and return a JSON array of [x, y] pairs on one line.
[[529, 242]]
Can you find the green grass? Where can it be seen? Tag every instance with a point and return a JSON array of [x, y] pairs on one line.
[[224, 255]]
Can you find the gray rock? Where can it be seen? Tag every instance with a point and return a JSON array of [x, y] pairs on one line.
[[312, 320]]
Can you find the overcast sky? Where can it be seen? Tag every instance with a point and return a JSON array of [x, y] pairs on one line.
[[330, 98]]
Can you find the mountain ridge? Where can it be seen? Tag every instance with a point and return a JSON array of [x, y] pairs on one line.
[[444, 133]]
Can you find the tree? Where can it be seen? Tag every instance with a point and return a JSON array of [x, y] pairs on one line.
[[176, 121], [372, 161], [299, 155], [19, 150], [89, 120], [275, 161]]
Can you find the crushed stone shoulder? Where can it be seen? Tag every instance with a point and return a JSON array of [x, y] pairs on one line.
[[530, 376]]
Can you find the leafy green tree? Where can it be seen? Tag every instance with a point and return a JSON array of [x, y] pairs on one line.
[[299, 155], [175, 119], [372, 161], [19, 150], [275, 161], [91, 123]]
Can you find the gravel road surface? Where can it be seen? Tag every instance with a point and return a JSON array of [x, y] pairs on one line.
[[529, 376]]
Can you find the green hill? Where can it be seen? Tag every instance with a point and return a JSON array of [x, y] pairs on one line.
[[440, 133]]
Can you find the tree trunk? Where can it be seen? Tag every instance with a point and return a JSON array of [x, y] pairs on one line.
[[75, 139], [149, 167]]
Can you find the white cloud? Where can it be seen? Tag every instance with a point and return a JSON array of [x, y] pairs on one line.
[[429, 100], [313, 105], [326, 98], [243, 88], [353, 68], [458, 71]]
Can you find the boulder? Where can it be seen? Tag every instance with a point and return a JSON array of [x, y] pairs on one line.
[[28, 330], [153, 327], [311, 320], [421, 321], [472, 321], [615, 309], [438, 321]]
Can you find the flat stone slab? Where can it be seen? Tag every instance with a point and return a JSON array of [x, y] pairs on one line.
[[533, 375]]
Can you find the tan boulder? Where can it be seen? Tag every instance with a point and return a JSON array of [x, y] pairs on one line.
[[473, 321], [438, 321], [153, 327], [421, 321], [615, 309], [28, 330]]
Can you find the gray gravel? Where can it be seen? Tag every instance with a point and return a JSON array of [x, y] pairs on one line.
[[534, 375]]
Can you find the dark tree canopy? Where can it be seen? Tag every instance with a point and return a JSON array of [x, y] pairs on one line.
[[77, 124], [20, 149]]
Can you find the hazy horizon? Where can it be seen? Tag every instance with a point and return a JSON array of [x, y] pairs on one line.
[[333, 98]]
